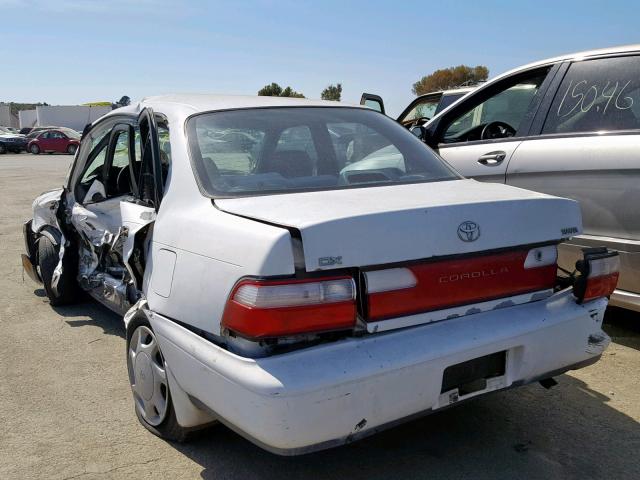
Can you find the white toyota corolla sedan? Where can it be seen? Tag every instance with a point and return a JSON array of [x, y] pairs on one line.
[[308, 272]]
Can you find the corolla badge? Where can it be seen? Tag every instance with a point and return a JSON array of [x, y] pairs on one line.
[[468, 231]]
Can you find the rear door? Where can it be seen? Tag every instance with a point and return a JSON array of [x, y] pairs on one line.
[[587, 147], [478, 136]]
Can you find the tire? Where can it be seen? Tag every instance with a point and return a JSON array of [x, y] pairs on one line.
[[67, 291], [71, 149], [35, 149], [3, 149], [146, 383]]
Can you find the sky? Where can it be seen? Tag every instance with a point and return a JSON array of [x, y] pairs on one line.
[[77, 51]]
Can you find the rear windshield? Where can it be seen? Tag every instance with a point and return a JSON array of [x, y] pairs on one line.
[[277, 150]]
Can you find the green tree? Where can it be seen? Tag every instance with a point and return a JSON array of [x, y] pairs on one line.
[[450, 78], [275, 90], [289, 92], [332, 92]]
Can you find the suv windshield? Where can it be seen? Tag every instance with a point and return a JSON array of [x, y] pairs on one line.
[[277, 150]]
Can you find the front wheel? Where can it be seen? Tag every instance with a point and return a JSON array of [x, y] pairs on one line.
[[35, 149], [66, 289], [3, 149], [149, 383]]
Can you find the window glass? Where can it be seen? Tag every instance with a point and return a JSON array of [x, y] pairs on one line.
[[165, 150], [426, 109], [121, 150], [297, 139], [448, 99], [597, 95], [508, 106], [300, 148], [95, 169]]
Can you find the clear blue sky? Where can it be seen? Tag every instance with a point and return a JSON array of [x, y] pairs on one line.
[[75, 51]]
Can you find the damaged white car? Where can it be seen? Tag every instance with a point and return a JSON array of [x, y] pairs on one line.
[[279, 277]]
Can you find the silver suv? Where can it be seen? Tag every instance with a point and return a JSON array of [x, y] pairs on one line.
[[567, 126]]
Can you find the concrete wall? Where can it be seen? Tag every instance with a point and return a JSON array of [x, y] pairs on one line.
[[7, 119], [71, 116], [28, 118]]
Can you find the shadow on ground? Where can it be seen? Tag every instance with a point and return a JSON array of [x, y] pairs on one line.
[[623, 326], [525, 430], [90, 313]]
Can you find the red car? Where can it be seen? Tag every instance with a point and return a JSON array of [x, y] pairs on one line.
[[61, 140]]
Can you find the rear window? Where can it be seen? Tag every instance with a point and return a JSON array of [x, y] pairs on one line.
[[278, 150]]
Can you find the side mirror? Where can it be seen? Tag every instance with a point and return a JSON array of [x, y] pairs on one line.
[[372, 101]]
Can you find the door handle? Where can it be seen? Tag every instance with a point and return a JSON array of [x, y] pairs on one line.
[[492, 159]]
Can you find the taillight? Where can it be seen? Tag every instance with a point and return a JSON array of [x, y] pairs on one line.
[[442, 284], [599, 271], [261, 309]]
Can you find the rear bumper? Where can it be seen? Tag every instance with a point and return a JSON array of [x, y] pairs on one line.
[[334, 393]]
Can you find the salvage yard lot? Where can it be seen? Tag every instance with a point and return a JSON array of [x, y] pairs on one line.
[[66, 409]]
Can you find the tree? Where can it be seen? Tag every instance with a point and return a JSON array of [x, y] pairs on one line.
[[123, 102], [275, 90], [449, 78], [332, 92]]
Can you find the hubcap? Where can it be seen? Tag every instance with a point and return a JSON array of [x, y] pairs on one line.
[[148, 376]]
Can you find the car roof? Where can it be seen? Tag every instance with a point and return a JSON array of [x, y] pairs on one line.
[[600, 52], [185, 105]]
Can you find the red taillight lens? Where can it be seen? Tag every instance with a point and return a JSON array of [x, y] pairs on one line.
[[599, 274], [261, 309], [432, 286]]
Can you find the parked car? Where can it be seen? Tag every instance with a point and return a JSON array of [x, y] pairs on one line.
[[58, 140], [11, 130], [424, 107], [11, 142], [305, 304], [567, 126]]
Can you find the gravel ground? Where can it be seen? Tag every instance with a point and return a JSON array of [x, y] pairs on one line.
[[66, 411]]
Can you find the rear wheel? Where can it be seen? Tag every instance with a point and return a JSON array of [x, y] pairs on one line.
[[71, 149], [35, 149], [66, 290], [3, 149], [149, 383]]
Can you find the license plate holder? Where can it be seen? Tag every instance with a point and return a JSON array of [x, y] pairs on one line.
[[474, 375]]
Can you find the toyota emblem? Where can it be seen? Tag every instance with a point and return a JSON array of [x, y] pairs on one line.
[[468, 231]]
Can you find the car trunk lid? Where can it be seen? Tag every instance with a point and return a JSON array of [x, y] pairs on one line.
[[364, 227]]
